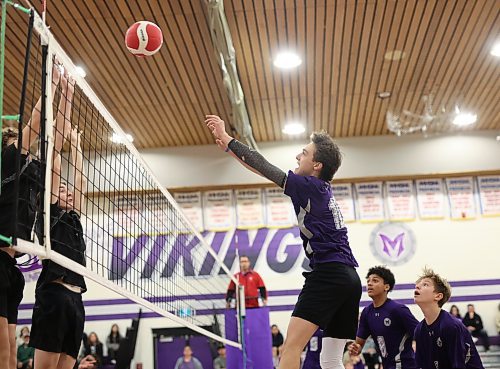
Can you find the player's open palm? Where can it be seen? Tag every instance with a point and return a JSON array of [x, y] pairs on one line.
[[215, 125]]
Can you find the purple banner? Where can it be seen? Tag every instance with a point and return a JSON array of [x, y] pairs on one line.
[[258, 343]]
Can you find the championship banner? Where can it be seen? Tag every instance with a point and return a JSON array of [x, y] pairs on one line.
[[126, 216], [400, 201], [461, 198], [489, 195], [370, 201], [190, 202], [345, 199], [218, 210], [430, 198], [249, 208], [279, 209]]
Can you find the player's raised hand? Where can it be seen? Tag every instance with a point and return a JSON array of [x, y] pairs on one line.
[[215, 125]]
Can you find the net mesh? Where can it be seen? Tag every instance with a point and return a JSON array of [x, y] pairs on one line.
[[137, 240]]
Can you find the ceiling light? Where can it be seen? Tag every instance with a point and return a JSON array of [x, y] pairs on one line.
[[294, 128], [384, 94], [80, 71], [394, 55], [287, 60], [119, 139], [495, 50], [498, 138], [464, 119]]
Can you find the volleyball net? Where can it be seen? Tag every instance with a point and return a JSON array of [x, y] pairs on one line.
[[139, 243]]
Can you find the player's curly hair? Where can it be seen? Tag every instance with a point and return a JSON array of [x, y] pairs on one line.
[[383, 273]]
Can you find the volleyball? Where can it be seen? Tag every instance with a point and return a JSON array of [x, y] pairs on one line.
[[144, 38]]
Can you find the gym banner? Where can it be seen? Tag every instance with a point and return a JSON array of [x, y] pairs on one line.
[[190, 202], [489, 194], [400, 200], [218, 210], [249, 208], [279, 209], [430, 198], [345, 199], [370, 202], [461, 198]]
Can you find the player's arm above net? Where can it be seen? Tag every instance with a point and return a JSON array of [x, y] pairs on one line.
[[77, 162], [247, 156]]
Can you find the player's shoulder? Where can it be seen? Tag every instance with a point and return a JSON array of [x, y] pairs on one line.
[[450, 324]]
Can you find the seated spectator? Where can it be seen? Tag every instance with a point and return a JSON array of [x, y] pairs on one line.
[[220, 361], [25, 354], [24, 330], [113, 341], [498, 319], [474, 324], [277, 344], [94, 348], [455, 312], [187, 360], [370, 354]]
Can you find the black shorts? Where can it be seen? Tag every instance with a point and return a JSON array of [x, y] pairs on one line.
[[11, 288], [330, 299], [58, 320]]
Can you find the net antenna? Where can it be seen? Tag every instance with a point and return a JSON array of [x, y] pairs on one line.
[[139, 243]]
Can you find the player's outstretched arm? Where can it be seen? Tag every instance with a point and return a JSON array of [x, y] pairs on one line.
[[249, 157]]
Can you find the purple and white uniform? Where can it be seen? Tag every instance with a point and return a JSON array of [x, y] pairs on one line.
[[321, 225], [391, 327], [312, 360], [445, 344]]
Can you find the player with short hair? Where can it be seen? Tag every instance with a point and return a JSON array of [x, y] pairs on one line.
[[442, 341], [330, 296]]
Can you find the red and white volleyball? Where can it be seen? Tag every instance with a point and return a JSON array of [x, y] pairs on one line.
[[143, 38]]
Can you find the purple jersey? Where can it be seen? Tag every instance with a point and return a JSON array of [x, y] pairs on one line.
[[391, 327], [445, 344], [321, 225], [312, 360]]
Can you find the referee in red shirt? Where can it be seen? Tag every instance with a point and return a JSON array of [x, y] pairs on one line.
[[252, 282]]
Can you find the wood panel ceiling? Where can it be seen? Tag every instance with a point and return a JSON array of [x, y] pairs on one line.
[[161, 100]]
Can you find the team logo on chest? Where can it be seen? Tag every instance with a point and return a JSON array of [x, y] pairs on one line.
[[439, 342], [387, 322]]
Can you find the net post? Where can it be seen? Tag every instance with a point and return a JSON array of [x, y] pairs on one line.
[[47, 142], [20, 116]]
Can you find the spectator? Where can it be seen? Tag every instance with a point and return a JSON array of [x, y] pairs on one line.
[[498, 319], [94, 348], [187, 360], [113, 341], [24, 330], [370, 354], [455, 312], [25, 354], [252, 282], [220, 361], [277, 343], [474, 324]]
